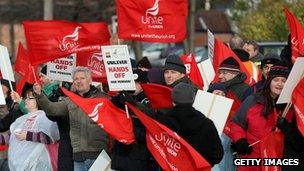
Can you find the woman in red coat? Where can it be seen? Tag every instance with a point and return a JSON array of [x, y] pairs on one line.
[[258, 115]]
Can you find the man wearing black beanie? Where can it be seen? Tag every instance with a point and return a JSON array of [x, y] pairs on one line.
[[175, 71]]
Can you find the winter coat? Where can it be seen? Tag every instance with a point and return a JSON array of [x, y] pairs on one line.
[[87, 138], [136, 156], [254, 88], [237, 85], [249, 122], [235, 89], [197, 130]]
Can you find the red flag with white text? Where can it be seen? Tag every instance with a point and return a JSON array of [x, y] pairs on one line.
[[298, 103], [94, 61], [297, 35], [152, 20], [222, 52], [271, 146], [158, 95], [110, 118], [170, 150], [192, 70], [48, 40]]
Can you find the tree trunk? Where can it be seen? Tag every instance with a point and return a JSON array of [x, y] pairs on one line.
[[191, 27], [48, 10], [137, 50]]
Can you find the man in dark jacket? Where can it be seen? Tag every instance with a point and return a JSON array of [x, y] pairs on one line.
[[175, 71], [233, 79], [192, 125], [136, 156]]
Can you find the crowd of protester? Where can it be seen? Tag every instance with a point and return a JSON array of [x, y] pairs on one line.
[[43, 121]]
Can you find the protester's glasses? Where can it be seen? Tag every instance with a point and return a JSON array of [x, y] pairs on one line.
[[30, 98]]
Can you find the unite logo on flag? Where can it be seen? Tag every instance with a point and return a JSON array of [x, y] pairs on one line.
[[95, 114], [70, 41], [95, 63], [170, 143], [151, 19]]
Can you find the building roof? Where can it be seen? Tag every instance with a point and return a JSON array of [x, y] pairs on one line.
[[215, 21]]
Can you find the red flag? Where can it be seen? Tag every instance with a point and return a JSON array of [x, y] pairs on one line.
[[24, 68], [222, 52], [158, 95], [298, 103], [152, 20], [297, 35], [94, 61], [110, 118], [170, 150], [192, 70], [22, 60], [271, 146], [48, 40]]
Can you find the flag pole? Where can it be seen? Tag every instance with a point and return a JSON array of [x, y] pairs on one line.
[[33, 73], [286, 109], [127, 111]]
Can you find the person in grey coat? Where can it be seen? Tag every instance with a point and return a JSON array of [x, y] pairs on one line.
[[87, 138]]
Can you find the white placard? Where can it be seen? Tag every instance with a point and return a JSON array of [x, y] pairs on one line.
[[102, 163], [118, 67], [2, 98], [210, 44], [293, 79], [207, 72], [214, 107], [5, 64], [61, 69]]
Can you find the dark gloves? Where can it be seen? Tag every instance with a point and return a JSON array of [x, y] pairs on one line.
[[122, 97], [127, 97], [283, 125], [242, 146]]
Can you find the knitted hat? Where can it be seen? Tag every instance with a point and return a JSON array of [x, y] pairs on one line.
[[270, 58], [241, 54], [43, 70], [230, 64], [183, 93], [217, 86], [140, 76], [173, 62], [279, 69], [144, 63]]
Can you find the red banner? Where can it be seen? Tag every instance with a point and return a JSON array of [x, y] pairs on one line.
[[22, 60], [170, 150], [222, 52], [152, 20], [192, 70], [48, 40], [24, 68], [158, 95], [94, 61], [298, 103], [110, 118], [271, 146], [297, 35]]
